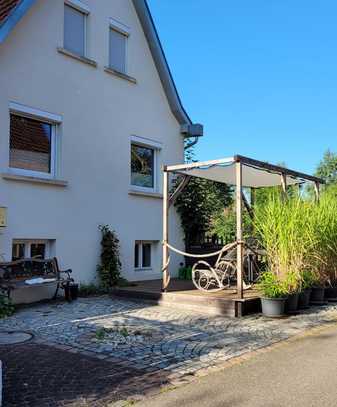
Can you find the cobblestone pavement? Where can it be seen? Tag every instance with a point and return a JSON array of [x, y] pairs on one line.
[[164, 345]]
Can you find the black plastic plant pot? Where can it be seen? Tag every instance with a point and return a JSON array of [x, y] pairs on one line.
[[67, 293], [317, 295], [73, 291], [273, 307], [304, 299], [292, 303], [331, 293]]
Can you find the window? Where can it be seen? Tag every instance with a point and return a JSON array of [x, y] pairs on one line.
[[117, 52], [30, 146], [142, 166], [18, 251], [30, 248], [75, 29], [32, 141], [143, 252]]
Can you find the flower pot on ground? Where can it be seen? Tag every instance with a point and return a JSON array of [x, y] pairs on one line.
[[317, 295], [291, 304], [273, 307], [331, 293], [273, 293], [304, 299]]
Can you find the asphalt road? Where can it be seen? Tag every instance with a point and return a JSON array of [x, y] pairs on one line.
[[300, 373]]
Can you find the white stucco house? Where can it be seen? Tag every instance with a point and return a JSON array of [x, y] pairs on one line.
[[88, 114]]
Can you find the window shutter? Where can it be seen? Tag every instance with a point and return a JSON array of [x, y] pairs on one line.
[[74, 30], [117, 51]]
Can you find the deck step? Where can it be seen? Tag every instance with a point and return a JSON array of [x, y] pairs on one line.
[[204, 304]]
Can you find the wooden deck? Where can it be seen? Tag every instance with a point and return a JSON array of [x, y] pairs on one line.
[[183, 293]]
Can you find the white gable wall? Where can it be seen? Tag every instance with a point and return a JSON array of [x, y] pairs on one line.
[[100, 114]]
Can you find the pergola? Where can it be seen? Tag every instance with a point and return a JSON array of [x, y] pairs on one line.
[[239, 171]]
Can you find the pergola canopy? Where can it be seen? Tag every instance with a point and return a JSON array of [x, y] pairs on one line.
[[239, 171], [255, 174]]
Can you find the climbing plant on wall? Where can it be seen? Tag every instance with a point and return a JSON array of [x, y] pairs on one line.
[[109, 268]]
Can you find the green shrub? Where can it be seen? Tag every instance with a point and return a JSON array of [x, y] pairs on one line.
[[271, 286], [185, 273], [286, 231], [87, 290], [110, 267], [324, 223], [6, 307]]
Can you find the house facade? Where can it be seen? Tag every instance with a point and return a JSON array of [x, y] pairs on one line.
[[88, 114]]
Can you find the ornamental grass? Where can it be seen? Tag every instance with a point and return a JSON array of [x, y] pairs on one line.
[[300, 239]]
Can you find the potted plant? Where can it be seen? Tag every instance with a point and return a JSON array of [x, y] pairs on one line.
[[331, 290], [318, 285], [273, 293], [307, 280], [292, 285]]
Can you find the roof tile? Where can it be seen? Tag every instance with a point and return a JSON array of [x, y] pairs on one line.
[[6, 7]]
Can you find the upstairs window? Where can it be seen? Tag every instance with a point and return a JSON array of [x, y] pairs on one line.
[[31, 144], [142, 166], [75, 21], [118, 47]]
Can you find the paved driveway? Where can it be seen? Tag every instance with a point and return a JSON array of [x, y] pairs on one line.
[[164, 346], [301, 373]]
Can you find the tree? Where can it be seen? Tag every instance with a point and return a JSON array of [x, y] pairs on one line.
[[200, 200], [327, 168]]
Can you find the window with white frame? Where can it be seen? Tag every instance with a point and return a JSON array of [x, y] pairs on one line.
[[24, 249], [142, 166], [75, 27], [143, 255], [144, 161], [118, 46], [32, 141]]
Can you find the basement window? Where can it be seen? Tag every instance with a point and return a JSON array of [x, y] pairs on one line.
[[143, 255]]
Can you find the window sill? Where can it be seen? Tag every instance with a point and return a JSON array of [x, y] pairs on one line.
[[34, 180], [70, 54], [140, 269], [120, 75], [155, 195]]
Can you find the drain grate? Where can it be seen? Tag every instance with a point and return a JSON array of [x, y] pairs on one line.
[[14, 337]]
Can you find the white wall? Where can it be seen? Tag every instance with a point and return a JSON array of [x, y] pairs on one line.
[[100, 113]]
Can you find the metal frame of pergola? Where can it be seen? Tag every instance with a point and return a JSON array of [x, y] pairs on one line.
[[240, 172]]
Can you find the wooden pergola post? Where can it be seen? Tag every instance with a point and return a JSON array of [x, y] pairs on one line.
[[284, 185], [317, 190], [166, 274], [239, 236]]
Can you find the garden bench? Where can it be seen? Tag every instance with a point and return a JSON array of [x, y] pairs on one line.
[[32, 272]]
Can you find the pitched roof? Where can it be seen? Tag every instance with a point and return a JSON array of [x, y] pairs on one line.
[[6, 8], [11, 11]]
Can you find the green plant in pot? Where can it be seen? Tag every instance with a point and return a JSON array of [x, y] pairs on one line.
[[282, 226], [306, 283], [324, 220], [274, 294], [318, 289], [292, 284]]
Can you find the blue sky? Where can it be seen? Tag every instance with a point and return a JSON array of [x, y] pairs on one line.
[[260, 75]]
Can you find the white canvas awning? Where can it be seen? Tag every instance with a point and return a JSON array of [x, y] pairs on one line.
[[255, 174]]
